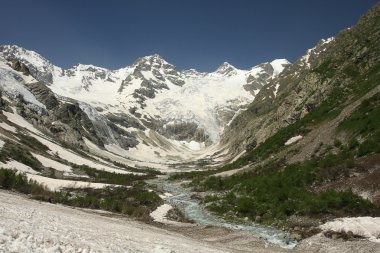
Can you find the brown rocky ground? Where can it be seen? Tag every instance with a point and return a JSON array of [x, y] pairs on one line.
[[365, 183]]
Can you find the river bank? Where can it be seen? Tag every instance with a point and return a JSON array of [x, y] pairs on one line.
[[175, 194]]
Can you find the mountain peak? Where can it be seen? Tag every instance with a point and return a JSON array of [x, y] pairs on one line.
[[89, 67], [226, 64], [154, 59], [226, 69]]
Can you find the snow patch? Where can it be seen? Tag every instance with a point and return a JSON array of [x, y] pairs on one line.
[[160, 213], [193, 145], [20, 167], [8, 127], [278, 66], [293, 140], [368, 227], [57, 184], [47, 162], [276, 89]]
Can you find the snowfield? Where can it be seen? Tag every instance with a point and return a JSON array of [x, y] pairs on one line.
[[31, 226]]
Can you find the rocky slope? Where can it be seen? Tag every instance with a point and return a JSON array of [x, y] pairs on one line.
[[307, 149], [331, 68]]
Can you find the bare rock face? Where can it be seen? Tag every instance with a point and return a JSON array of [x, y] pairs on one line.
[[162, 73], [41, 69]]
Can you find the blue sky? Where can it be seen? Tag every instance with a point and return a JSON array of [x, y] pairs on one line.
[[199, 34]]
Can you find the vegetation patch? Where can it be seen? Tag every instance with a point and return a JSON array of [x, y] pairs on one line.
[[32, 143], [19, 154], [277, 195], [101, 176], [134, 201]]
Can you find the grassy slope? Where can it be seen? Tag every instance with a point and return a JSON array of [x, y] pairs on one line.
[[274, 190]]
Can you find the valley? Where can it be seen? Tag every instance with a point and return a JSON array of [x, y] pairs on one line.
[[281, 157]]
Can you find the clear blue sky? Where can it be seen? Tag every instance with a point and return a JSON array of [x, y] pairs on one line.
[[199, 34]]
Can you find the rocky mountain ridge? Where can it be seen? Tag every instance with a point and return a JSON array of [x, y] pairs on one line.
[[149, 106]]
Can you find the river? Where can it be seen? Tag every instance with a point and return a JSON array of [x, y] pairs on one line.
[[181, 197]]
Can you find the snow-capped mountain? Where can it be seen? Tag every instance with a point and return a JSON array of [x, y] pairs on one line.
[[149, 109]]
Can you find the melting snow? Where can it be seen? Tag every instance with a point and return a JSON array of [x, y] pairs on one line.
[[293, 140], [8, 127], [32, 226], [47, 162], [160, 213], [368, 227], [193, 145], [57, 184], [276, 89], [12, 164]]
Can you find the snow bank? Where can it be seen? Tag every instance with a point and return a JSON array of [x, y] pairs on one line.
[[47, 162], [7, 127], [57, 184], [160, 213], [368, 227], [32, 226], [1, 144], [293, 140], [17, 166]]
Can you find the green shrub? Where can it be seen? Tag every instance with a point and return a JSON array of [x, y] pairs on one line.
[[135, 201], [20, 154], [32, 142], [11, 180], [279, 194], [101, 176]]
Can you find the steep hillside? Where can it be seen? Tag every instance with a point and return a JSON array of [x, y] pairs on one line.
[[332, 75], [308, 146]]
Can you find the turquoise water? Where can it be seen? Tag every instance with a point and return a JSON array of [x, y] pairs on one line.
[[194, 211]]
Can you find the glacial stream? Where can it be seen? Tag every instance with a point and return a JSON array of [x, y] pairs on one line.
[[181, 197]]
